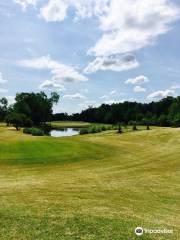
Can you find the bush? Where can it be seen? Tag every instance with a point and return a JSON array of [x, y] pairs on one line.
[[103, 128], [34, 131], [37, 132], [84, 131], [93, 129], [27, 130], [46, 128]]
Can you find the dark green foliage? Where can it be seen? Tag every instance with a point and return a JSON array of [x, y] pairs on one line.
[[35, 106], [3, 108], [95, 129], [27, 130], [119, 129], [31, 109], [46, 128], [16, 119], [134, 128], [103, 128], [37, 132], [84, 131], [162, 113], [34, 131]]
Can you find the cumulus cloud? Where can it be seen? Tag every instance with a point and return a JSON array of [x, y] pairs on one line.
[[60, 72], [25, 3], [161, 94], [76, 96], [131, 25], [50, 85], [137, 80], [114, 63], [139, 89], [56, 10], [126, 26]]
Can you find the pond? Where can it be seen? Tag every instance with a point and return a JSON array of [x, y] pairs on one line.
[[64, 132]]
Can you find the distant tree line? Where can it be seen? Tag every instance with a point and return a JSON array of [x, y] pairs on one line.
[[165, 112]]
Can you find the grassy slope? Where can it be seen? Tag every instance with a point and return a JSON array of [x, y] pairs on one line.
[[89, 187]]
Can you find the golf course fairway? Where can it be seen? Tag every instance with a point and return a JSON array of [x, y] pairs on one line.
[[91, 187]]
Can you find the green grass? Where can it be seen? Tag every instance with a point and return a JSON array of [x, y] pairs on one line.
[[70, 124], [92, 187]]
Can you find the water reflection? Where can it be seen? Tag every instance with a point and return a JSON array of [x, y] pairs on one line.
[[64, 132]]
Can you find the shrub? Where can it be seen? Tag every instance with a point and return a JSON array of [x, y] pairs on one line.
[[46, 128], [37, 132], [109, 128], [103, 128], [27, 130], [84, 131], [93, 129]]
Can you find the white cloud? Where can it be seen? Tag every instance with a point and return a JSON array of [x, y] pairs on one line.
[[113, 92], [104, 97], [114, 63], [50, 85], [11, 99], [175, 87], [25, 3], [126, 26], [139, 89], [60, 72], [161, 94], [2, 80], [56, 10], [137, 80], [76, 96], [131, 25]]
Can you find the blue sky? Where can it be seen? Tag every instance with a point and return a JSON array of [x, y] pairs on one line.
[[90, 51]]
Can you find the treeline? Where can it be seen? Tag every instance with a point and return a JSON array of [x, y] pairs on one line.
[[165, 112]]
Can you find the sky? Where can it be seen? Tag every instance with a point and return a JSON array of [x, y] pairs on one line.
[[90, 52]]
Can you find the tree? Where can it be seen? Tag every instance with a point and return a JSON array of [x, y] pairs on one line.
[[37, 107], [3, 108], [119, 128], [16, 119], [163, 120], [134, 128], [147, 128]]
